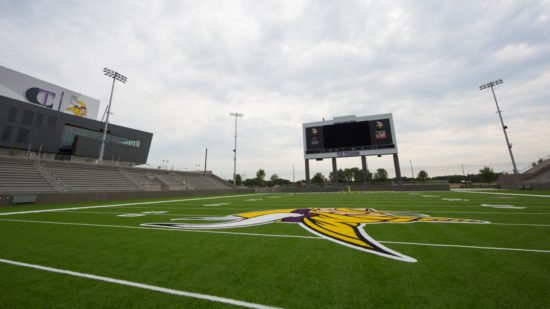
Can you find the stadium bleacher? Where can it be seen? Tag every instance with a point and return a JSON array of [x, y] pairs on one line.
[[536, 177], [22, 176], [18, 175], [84, 177]]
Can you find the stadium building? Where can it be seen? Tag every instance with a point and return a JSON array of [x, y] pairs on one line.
[[48, 120]]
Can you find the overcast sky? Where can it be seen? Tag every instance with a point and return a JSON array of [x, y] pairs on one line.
[[282, 63]]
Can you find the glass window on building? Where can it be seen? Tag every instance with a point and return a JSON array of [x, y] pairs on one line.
[[52, 123], [69, 132], [28, 116], [12, 114], [6, 134], [38, 120], [23, 135]]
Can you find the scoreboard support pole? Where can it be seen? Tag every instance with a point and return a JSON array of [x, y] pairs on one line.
[[397, 168], [365, 172], [307, 171], [335, 170]]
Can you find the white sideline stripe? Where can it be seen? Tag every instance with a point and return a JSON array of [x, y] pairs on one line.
[[502, 193], [461, 246], [139, 285], [285, 236], [125, 204]]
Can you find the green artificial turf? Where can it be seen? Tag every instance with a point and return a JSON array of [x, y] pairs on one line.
[[250, 264]]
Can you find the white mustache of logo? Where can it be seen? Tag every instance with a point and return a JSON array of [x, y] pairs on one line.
[[234, 222]]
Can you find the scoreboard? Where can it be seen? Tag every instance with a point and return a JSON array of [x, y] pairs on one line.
[[350, 136]]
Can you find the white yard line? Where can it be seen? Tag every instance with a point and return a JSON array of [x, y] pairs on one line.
[[138, 285], [156, 228], [511, 212], [502, 193], [126, 212], [125, 204], [461, 246], [280, 235], [520, 224]]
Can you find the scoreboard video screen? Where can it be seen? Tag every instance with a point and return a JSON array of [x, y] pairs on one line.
[[349, 136]]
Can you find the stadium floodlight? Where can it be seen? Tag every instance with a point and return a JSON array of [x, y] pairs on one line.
[[508, 144], [236, 115], [121, 78]]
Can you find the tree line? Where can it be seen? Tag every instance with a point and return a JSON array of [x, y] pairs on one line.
[[355, 175]]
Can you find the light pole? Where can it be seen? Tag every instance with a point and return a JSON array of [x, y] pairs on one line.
[[121, 78], [508, 144], [412, 171], [236, 115]]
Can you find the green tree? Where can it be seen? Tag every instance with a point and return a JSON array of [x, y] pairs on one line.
[[318, 179], [422, 175], [260, 176], [274, 177], [341, 174], [487, 174], [381, 175], [238, 179]]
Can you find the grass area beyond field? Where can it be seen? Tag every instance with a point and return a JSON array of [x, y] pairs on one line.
[[502, 264]]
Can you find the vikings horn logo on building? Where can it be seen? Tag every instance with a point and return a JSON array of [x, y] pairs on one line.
[[340, 225]]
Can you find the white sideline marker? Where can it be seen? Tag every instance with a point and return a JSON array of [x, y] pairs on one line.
[[125, 204], [140, 285]]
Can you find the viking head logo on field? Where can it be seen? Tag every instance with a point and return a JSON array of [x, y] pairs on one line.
[[340, 225]]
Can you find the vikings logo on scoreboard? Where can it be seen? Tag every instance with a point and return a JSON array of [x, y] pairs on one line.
[[343, 226], [364, 136]]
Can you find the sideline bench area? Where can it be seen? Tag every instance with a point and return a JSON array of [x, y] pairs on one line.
[[23, 199]]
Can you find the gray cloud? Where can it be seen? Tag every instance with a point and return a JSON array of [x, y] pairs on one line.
[[282, 63]]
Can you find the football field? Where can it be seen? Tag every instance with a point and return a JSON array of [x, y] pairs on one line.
[[315, 250]]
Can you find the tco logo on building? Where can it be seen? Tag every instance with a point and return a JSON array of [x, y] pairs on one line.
[[40, 96]]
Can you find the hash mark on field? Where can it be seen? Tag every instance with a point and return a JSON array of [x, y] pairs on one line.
[[253, 199], [139, 285], [131, 215], [502, 206], [216, 204], [455, 200]]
